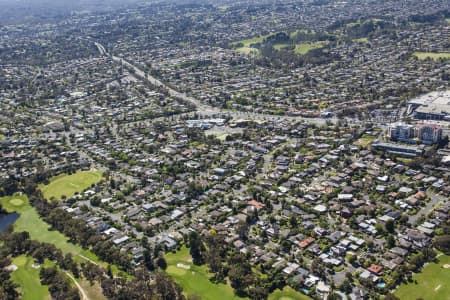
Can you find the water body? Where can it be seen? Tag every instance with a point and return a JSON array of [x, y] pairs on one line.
[[7, 219]]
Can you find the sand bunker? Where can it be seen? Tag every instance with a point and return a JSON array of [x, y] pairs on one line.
[[11, 268], [183, 266]]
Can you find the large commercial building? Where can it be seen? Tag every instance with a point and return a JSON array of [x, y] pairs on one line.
[[430, 134], [432, 106], [425, 133], [399, 149], [401, 132]]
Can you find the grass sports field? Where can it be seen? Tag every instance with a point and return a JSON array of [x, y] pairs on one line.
[[433, 283], [246, 49], [363, 40], [365, 140], [287, 293], [425, 55], [250, 41], [304, 48], [68, 185], [31, 222], [27, 277], [195, 281], [300, 49], [280, 46]]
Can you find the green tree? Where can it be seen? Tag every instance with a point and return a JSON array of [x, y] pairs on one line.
[[346, 286], [161, 263], [196, 248], [442, 243], [390, 241], [390, 226], [334, 296]]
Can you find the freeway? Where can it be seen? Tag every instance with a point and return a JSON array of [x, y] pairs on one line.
[[207, 110], [200, 106]]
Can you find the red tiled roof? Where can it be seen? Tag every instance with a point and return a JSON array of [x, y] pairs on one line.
[[306, 242], [256, 204], [375, 269]]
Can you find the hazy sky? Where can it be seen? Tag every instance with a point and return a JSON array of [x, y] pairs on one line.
[[17, 11]]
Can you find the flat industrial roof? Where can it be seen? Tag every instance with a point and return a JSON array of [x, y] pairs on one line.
[[433, 98], [433, 103]]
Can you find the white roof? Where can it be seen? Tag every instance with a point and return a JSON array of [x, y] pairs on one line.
[[110, 231], [121, 240], [320, 208]]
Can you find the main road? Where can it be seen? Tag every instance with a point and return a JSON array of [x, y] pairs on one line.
[[204, 109]]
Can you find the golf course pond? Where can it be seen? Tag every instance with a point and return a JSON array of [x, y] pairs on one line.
[[7, 219]]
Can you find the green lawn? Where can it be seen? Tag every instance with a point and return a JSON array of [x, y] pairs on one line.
[[374, 20], [31, 222], [365, 140], [68, 185], [253, 40], [363, 40], [27, 278], [221, 135], [30, 287], [247, 50], [280, 46], [295, 33], [2, 136], [195, 281], [304, 48], [433, 283], [300, 49], [425, 55], [287, 293], [404, 160]]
